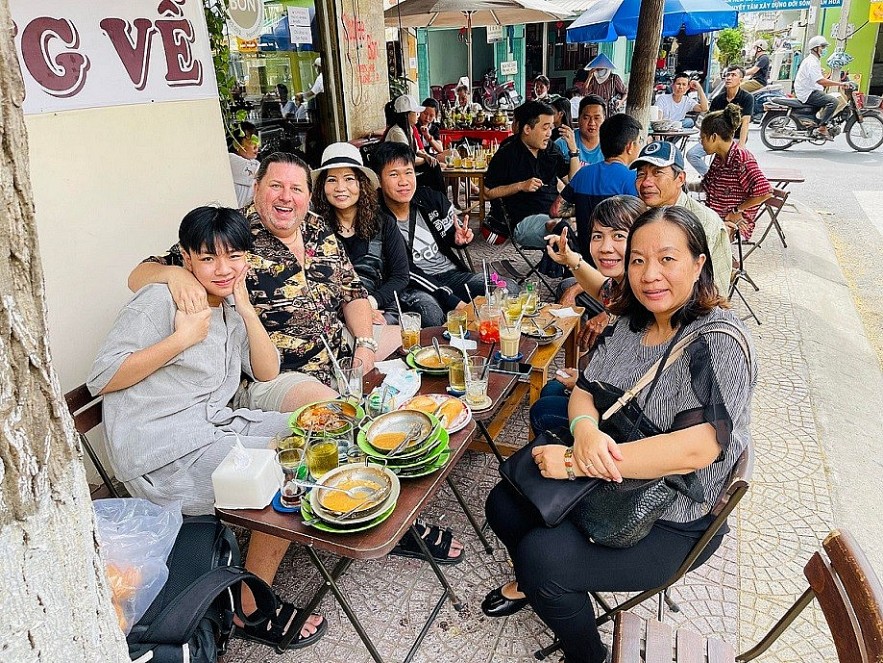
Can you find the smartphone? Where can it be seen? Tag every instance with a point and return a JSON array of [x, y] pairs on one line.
[[511, 368]]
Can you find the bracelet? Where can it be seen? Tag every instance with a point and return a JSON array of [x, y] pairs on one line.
[[576, 420], [568, 463], [578, 265], [366, 342]]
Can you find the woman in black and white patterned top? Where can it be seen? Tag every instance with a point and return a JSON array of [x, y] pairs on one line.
[[703, 401]]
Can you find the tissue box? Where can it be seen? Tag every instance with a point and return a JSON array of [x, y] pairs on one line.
[[246, 479]]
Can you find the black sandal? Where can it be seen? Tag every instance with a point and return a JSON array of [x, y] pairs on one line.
[[438, 541], [271, 631]]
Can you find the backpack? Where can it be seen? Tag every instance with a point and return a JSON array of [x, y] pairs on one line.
[[192, 617]]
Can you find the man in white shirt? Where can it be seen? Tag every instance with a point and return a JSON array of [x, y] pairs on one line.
[[810, 83], [676, 105], [318, 85]]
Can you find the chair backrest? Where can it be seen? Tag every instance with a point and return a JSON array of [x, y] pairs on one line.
[[850, 596], [738, 484], [87, 414], [450, 92], [778, 199], [437, 92]]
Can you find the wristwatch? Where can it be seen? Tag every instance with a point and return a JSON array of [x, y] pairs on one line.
[[736, 210], [574, 155], [366, 342]]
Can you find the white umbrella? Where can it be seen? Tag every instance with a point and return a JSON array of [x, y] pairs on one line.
[[471, 13]]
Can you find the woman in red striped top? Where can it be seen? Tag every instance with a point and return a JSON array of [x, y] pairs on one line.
[[734, 185]]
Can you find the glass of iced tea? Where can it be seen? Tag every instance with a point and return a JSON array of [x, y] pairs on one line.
[[456, 373], [410, 324], [456, 322], [489, 324], [322, 456]]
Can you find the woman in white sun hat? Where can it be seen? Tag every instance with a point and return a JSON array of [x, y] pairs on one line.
[[345, 195]]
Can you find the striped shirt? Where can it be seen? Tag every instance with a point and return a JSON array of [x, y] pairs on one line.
[[733, 180], [711, 381]]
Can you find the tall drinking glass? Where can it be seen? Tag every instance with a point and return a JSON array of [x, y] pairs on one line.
[[476, 381], [457, 374], [489, 323], [510, 337], [456, 322], [349, 379], [410, 324], [322, 456]]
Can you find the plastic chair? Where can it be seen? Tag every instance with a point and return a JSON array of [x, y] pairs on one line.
[[87, 414], [723, 507], [437, 92], [840, 578]]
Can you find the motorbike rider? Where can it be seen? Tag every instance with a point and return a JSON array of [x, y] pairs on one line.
[[810, 83], [757, 76], [603, 82]]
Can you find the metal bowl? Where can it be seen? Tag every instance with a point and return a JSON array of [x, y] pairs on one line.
[[426, 358], [370, 475], [366, 515], [543, 335], [399, 421]]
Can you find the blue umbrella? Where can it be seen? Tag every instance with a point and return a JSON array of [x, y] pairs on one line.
[[607, 20]]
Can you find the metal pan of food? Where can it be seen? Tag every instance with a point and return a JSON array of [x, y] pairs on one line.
[[428, 359], [388, 431]]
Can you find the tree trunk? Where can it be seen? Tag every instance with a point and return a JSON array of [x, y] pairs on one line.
[[644, 58], [56, 604]]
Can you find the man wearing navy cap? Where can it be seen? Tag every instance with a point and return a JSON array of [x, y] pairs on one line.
[[660, 182]]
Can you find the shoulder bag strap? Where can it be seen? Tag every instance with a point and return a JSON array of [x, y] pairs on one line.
[[672, 354]]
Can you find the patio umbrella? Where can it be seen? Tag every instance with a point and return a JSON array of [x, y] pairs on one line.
[[606, 20], [471, 13]]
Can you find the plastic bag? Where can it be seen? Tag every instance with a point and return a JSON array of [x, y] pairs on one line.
[[135, 538]]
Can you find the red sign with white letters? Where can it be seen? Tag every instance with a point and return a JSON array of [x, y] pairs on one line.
[[110, 53]]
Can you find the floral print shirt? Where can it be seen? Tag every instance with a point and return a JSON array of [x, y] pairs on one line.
[[298, 304]]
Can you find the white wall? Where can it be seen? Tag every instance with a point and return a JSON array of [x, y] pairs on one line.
[[111, 186]]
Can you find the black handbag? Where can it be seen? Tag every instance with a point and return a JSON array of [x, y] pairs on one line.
[[553, 499]]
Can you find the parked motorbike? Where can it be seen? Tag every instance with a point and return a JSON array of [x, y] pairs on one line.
[[788, 121], [494, 95], [762, 96]]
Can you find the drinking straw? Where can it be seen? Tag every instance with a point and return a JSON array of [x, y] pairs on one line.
[[474, 305], [484, 277], [334, 362], [463, 343], [487, 365], [398, 303]]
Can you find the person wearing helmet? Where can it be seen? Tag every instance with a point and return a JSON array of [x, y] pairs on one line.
[[810, 83], [758, 74]]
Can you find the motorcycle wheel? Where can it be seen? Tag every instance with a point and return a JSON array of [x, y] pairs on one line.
[[490, 104], [773, 124], [866, 135]]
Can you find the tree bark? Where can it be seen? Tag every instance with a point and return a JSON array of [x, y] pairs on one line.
[[56, 603], [644, 58]]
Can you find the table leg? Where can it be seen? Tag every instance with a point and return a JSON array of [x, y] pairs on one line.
[[481, 200], [571, 348], [538, 377], [487, 436], [458, 606], [331, 583], [478, 530], [425, 629]]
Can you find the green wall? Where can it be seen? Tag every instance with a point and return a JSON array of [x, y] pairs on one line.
[[447, 55], [860, 45]]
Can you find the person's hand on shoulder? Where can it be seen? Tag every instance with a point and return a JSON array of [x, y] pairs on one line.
[[188, 294]]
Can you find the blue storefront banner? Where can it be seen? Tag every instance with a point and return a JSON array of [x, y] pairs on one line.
[[746, 6]]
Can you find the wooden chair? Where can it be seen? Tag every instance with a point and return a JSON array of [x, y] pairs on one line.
[[840, 577], [87, 414], [723, 507], [771, 208]]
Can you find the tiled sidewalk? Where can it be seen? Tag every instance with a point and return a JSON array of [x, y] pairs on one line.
[[738, 595]]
